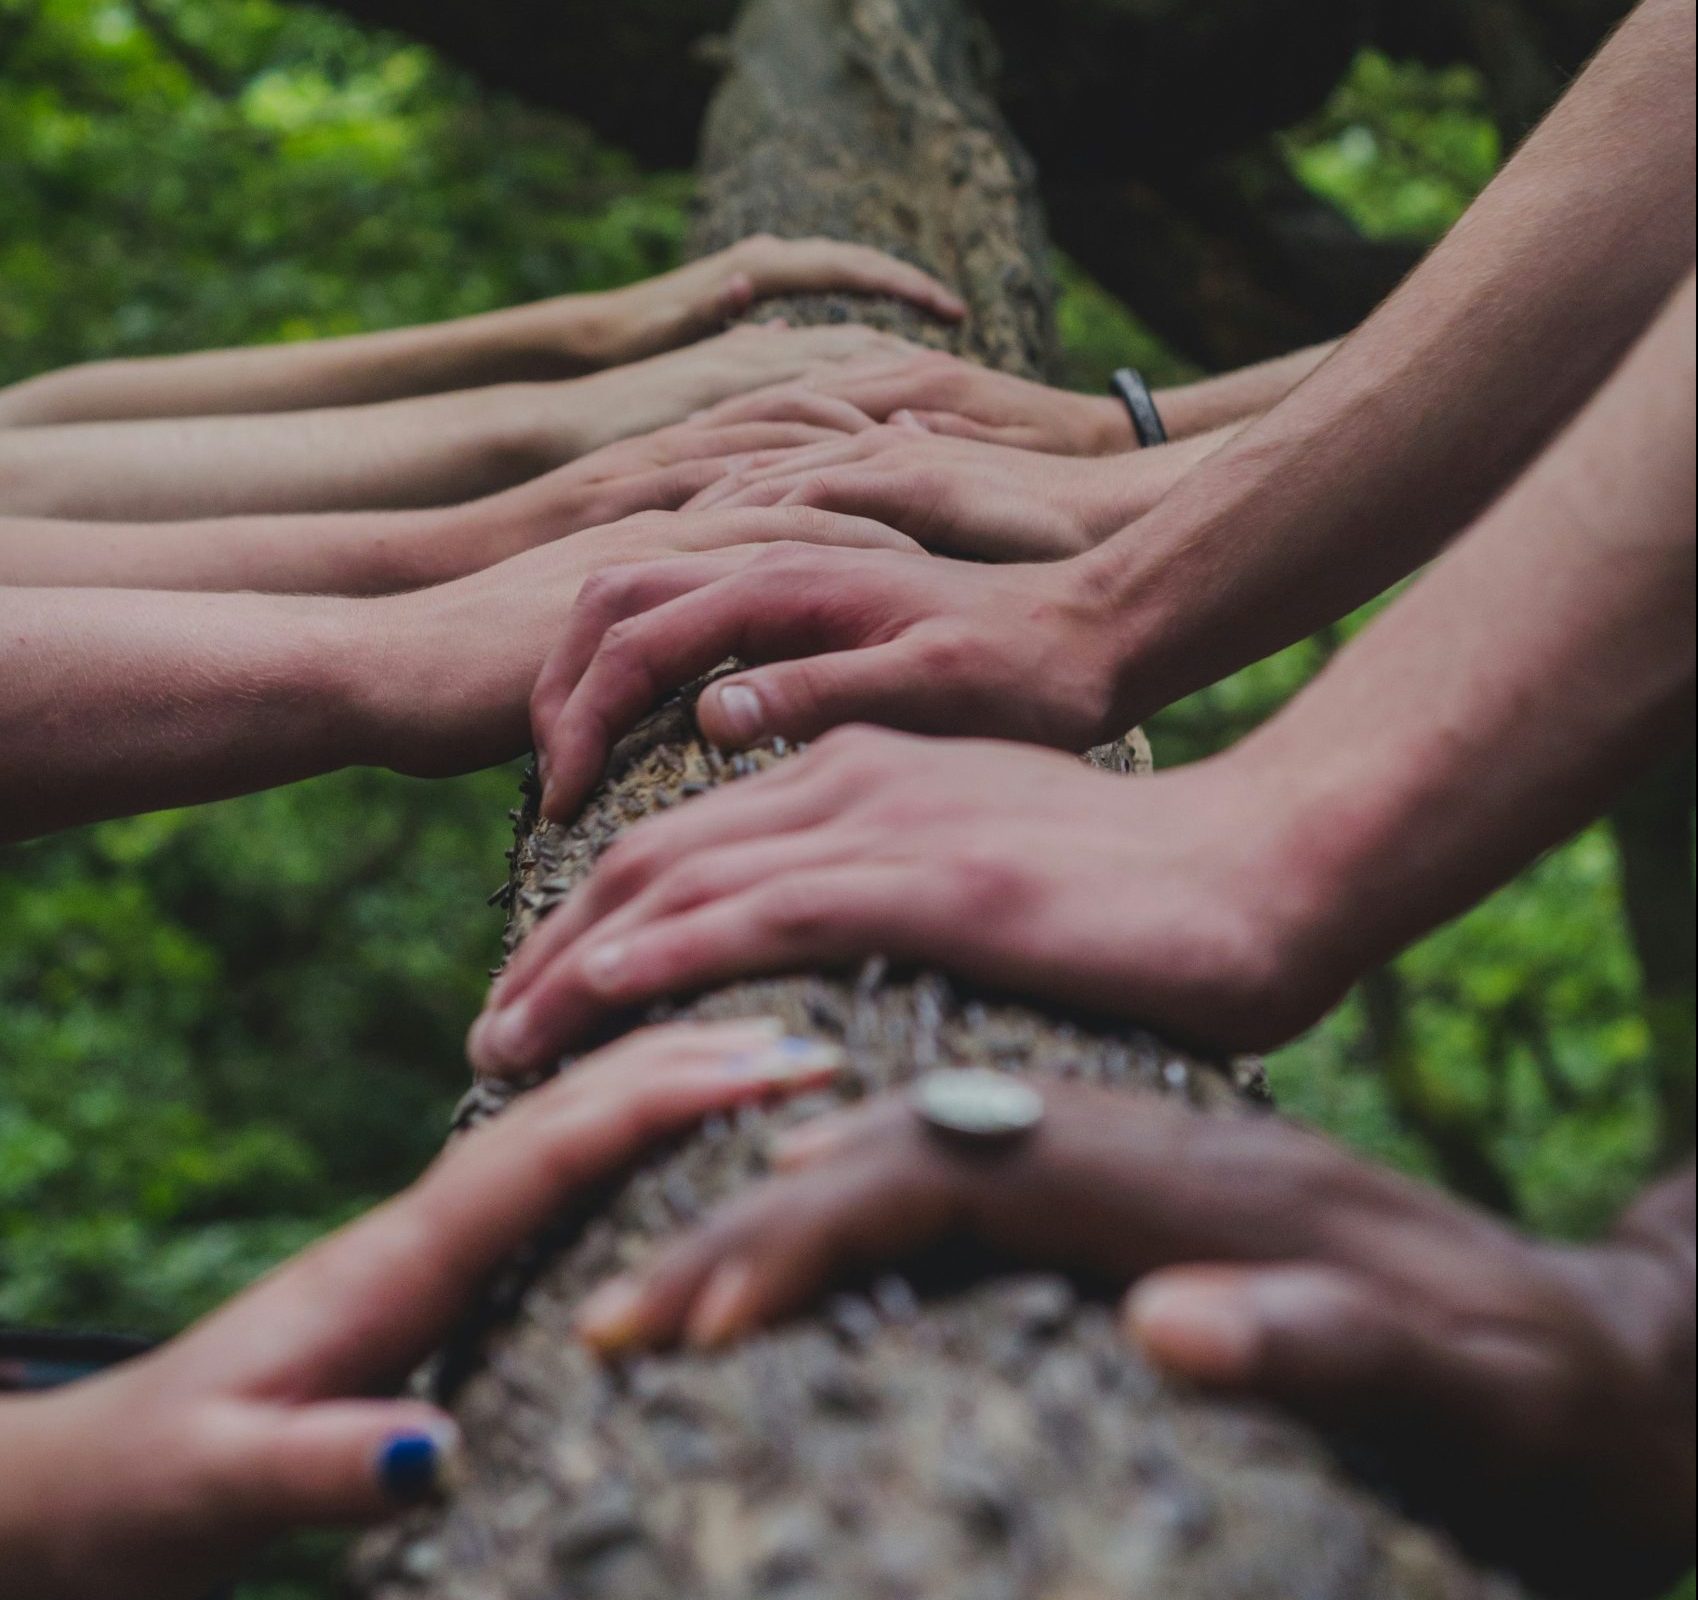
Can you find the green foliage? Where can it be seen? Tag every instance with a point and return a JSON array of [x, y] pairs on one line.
[[221, 1032]]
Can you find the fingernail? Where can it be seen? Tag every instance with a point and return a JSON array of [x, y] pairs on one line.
[[498, 1038], [790, 1060], [609, 1320], [416, 1466], [800, 1146], [721, 1313], [602, 966], [1210, 1335], [740, 711]]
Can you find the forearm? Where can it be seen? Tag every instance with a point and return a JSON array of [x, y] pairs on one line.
[[115, 702], [1502, 701], [325, 553], [1235, 397], [435, 451], [1443, 395], [557, 339]]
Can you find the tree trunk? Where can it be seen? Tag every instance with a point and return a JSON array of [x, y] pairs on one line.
[[959, 1435]]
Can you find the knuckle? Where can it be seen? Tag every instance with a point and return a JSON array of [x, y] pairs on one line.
[[792, 914]]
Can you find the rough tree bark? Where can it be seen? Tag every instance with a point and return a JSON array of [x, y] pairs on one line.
[[959, 1435]]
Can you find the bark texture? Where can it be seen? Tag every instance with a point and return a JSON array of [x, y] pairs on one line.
[[956, 1434]]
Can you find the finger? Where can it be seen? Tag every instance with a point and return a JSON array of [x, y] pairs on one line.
[[735, 492], [1335, 1343], [694, 442], [777, 526], [803, 698], [632, 655], [546, 1004], [828, 265], [790, 402], [340, 1463], [767, 805], [364, 1306], [786, 465], [834, 915], [768, 1254], [954, 426]]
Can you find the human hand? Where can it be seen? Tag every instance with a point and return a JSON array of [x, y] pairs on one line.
[[957, 496], [157, 1479], [701, 297], [948, 395], [437, 681], [1178, 901], [1532, 1395], [657, 471], [636, 399], [916, 642]]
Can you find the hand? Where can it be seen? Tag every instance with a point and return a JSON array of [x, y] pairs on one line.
[[945, 394], [922, 643], [155, 1480], [654, 472], [1536, 1391], [665, 389], [703, 296], [1176, 901], [437, 681], [958, 496]]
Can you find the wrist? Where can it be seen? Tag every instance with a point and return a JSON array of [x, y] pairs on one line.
[[41, 1522], [1103, 427]]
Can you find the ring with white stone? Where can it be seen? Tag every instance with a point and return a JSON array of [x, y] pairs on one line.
[[977, 1106]]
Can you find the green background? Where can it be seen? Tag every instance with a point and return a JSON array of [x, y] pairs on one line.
[[223, 1031]]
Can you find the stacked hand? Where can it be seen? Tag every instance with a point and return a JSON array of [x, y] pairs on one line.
[[154, 1481], [958, 496], [909, 641], [1527, 1391], [1175, 900], [945, 394]]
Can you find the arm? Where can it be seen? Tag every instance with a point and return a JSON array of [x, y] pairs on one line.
[[437, 450], [1213, 403], [1537, 1398], [1493, 709], [156, 1480], [1357, 479], [384, 552], [552, 339], [126, 700]]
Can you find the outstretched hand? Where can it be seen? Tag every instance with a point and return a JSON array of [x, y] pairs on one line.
[[908, 641], [946, 394], [1176, 900], [702, 296], [1534, 1390], [154, 1481]]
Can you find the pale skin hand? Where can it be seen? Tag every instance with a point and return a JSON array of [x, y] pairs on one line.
[[436, 450], [1495, 708], [1364, 473], [385, 552], [560, 338], [156, 1481], [946, 395], [130, 700], [962, 497], [1538, 1397]]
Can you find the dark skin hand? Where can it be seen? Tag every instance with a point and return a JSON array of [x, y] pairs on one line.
[[1543, 1394]]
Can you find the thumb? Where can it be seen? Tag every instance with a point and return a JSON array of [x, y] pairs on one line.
[[337, 1463], [802, 699]]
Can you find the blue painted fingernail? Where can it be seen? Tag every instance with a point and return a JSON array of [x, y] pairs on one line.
[[410, 1467]]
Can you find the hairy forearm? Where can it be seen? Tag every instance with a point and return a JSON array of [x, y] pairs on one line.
[[116, 702], [557, 339], [1214, 403], [1410, 428], [434, 451], [1515, 689]]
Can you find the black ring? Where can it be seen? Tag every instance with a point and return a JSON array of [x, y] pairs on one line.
[[1129, 383]]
